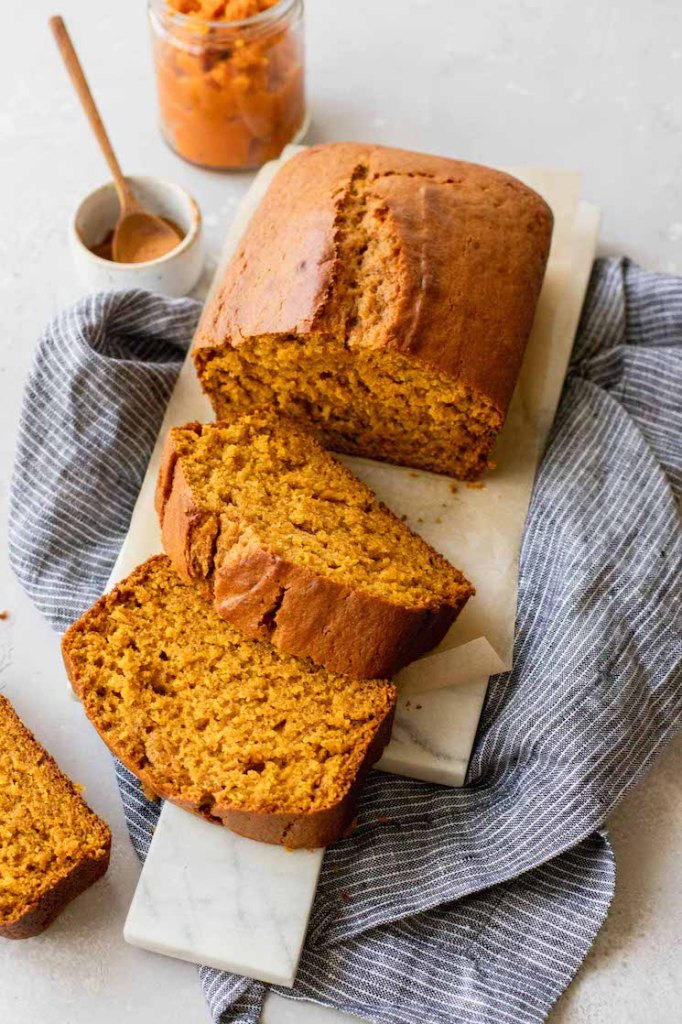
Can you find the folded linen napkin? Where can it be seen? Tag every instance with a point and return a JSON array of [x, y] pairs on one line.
[[474, 905]]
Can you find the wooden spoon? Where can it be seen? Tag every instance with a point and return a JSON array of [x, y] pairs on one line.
[[139, 235]]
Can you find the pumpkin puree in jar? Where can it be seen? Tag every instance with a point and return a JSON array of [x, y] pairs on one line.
[[231, 95]]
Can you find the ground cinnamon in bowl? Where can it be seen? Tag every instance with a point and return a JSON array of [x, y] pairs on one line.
[[105, 248]]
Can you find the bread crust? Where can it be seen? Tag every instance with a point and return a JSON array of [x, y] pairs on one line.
[[269, 597], [473, 241], [41, 913], [294, 831], [35, 917]]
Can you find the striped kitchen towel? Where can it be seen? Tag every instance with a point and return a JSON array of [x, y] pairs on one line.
[[476, 905]]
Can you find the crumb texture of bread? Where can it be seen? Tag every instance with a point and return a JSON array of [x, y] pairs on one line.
[[384, 297], [295, 549], [52, 846], [273, 747]]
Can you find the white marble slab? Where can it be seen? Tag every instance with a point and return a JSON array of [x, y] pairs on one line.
[[247, 908], [434, 732], [185, 903], [209, 896]]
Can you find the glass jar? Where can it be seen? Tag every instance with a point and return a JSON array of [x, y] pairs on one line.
[[231, 93]]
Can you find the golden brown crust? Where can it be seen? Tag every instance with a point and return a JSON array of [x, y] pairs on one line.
[[294, 831], [298, 611], [473, 247], [349, 632], [189, 535], [34, 918]]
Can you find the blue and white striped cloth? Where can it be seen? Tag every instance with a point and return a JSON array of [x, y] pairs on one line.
[[477, 905]]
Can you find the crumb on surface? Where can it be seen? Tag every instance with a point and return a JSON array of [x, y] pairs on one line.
[[4, 615], [453, 487], [351, 828], [475, 485]]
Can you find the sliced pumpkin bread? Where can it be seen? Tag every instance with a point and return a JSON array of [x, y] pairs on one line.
[[384, 297], [52, 846], [271, 746], [293, 548]]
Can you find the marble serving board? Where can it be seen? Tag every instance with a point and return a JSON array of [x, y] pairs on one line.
[[209, 896]]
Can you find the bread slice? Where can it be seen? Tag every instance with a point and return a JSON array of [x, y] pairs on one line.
[[273, 747], [385, 298], [52, 846], [296, 550]]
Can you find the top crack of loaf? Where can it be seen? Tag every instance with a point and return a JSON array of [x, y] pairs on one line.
[[384, 297]]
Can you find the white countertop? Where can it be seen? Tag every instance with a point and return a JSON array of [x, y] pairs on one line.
[[592, 86]]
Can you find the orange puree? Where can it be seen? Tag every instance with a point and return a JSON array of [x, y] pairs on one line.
[[230, 92], [227, 10]]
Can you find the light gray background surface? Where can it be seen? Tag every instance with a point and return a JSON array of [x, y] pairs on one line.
[[593, 86]]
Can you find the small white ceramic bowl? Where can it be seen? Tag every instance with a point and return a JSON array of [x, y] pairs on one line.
[[174, 274]]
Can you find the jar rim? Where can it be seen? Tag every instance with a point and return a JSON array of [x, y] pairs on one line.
[[269, 16]]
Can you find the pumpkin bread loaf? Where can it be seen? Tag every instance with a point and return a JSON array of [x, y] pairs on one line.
[[52, 846], [271, 746], [384, 296], [294, 549]]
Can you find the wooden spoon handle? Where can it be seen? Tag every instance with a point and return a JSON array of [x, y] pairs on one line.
[[126, 198]]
